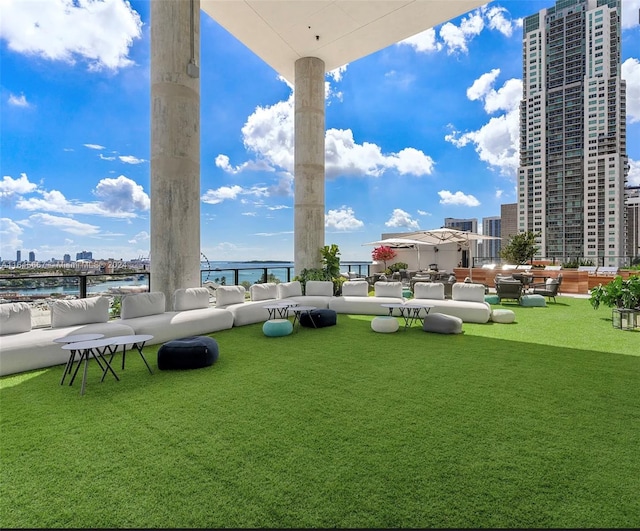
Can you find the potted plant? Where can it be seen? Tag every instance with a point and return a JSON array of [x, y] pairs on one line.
[[621, 295], [383, 253], [618, 293]]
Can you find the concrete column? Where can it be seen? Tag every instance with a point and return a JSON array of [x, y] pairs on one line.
[[309, 163], [175, 146]]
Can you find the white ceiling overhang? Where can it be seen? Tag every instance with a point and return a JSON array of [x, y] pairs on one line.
[[337, 31]]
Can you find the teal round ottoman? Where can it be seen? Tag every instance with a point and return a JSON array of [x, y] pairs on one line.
[[531, 301], [385, 325], [277, 327], [503, 316], [492, 299]]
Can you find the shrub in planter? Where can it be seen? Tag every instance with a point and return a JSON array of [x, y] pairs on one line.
[[618, 293]]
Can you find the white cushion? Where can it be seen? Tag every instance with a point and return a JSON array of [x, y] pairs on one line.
[[388, 289], [385, 325], [226, 295], [289, 289], [190, 299], [467, 292], [80, 311], [142, 304], [428, 290], [503, 316], [263, 292], [15, 318], [550, 282], [355, 288], [319, 287]]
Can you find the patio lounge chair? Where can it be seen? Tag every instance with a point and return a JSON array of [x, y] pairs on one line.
[[549, 288], [508, 289]]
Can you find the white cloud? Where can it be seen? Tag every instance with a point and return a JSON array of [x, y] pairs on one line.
[[9, 237], [99, 32], [122, 195], [499, 193], [105, 158], [342, 219], [268, 134], [400, 218], [130, 159], [121, 198], [424, 213], [142, 236], [631, 72], [18, 101], [633, 178], [337, 73], [424, 42], [496, 20], [630, 10], [496, 142], [456, 38], [213, 197], [69, 225], [10, 187], [457, 198], [93, 146]]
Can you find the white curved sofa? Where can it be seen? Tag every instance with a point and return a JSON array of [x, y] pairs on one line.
[[318, 293], [467, 300], [355, 298], [23, 348], [145, 314]]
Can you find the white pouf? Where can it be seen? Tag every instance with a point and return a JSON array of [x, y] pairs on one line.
[[503, 316], [385, 324]]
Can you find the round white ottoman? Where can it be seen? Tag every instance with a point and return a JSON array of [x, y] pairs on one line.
[[385, 325], [277, 328], [503, 316]]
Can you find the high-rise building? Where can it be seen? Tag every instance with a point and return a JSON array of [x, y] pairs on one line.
[[508, 221], [491, 227], [633, 222], [573, 156], [32, 256], [66, 258], [471, 225], [84, 255], [18, 256]]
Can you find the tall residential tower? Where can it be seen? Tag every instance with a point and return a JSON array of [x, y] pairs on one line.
[[573, 156]]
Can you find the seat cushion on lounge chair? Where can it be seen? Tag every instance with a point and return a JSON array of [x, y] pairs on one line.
[[441, 323], [503, 316], [531, 301]]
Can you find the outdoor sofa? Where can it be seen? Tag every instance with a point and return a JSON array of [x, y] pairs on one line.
[[355, 298], [467, 300], [23, 348], [317, 293]]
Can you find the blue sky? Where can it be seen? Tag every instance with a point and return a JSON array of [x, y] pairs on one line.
[[419, 131]]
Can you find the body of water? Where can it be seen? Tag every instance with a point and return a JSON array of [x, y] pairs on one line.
[[213, 271]]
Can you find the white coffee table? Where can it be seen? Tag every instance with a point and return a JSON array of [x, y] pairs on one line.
[[88, 349], [136, 341], [74, 339]]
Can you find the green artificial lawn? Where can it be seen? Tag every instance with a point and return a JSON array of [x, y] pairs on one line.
[[531, 424]]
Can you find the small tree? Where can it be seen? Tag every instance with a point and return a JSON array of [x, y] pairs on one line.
[[383, 253], [521, 248]]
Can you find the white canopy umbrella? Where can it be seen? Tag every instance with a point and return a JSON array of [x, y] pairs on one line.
[[400, 243], [449, 235]]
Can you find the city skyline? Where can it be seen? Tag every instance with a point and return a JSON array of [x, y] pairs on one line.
[[405, 146]]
